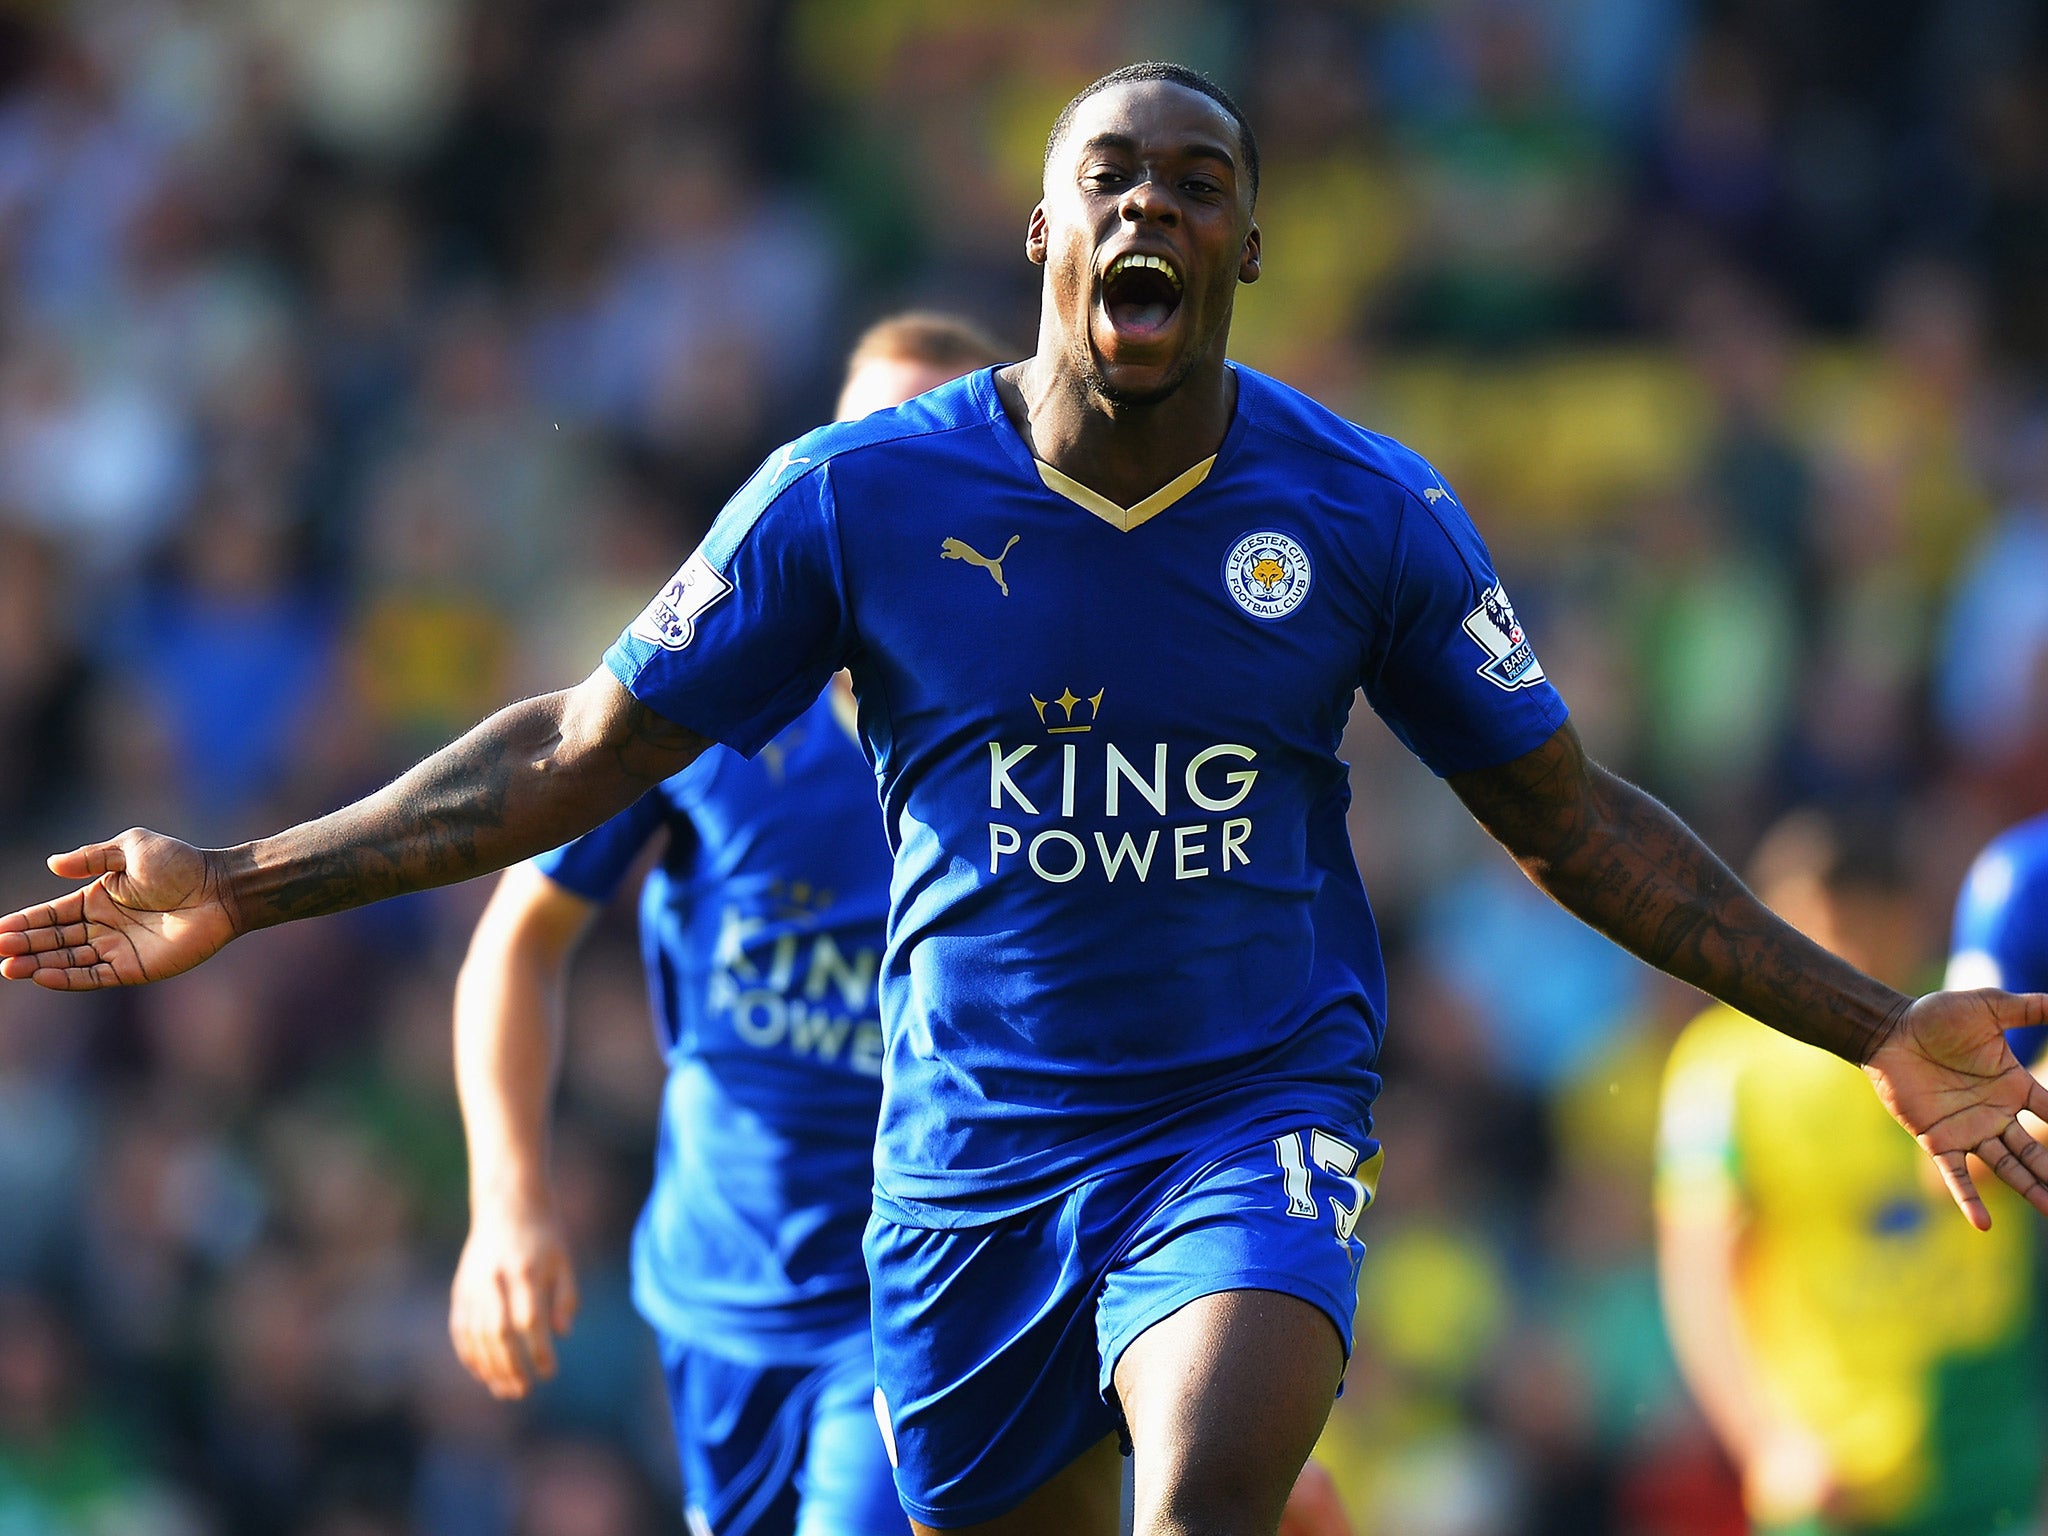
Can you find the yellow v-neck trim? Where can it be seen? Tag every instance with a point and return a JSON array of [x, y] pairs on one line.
[[1124, 518]]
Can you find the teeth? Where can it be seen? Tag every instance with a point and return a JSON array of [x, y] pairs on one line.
[[1155, 263]]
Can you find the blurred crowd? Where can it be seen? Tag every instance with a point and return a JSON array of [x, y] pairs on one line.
[[365, 362]]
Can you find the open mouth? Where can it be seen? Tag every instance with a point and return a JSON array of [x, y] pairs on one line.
[[1140, 294]]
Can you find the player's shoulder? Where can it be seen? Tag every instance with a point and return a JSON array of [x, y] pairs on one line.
[[1295, 425], [955, 406], [796, 472]]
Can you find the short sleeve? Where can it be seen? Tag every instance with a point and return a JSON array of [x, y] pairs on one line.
[[1453, 674], [743, 638], [594, 864], [1699, 1165]]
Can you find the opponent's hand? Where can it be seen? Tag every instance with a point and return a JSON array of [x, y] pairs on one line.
[[1946, 1074], [514, 1290], [155, 907], [1787, 1477]]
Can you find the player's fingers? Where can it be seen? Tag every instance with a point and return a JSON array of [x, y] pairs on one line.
[[2019, 1160], [530, 1312], [514, 1376], [2029, 1151], [463, 1337], [30, 921], [89, 862], [37, 941], [566, 1298], [490, 1361], [2037, 1097], [475, 1326], [63, 957], [72, 978], [1955, 1173]]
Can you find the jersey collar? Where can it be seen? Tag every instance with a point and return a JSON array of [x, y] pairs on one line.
[[1123, 519]]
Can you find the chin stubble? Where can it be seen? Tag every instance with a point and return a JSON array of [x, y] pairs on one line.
[[1101, 388]]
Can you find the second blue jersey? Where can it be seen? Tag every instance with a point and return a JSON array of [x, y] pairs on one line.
[[1125, 918], [761, 931]]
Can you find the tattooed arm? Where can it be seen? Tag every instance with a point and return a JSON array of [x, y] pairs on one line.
[[1622, 862], [531, 777]]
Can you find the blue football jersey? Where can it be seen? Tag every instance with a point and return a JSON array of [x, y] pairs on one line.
[[1125, 918], [2001, 929], [762, 935]]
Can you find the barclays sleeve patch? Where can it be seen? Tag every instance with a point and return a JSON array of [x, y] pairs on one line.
[[670, 620], [1510, 660]]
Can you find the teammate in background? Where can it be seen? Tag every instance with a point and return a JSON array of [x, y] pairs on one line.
[[762, 931], [2001, 927], [1870, 1366], [1106, 611]]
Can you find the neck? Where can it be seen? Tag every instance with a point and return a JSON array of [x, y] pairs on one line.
[[1122, 451]]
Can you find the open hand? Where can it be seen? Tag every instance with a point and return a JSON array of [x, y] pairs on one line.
[[1947, 1076], [514, 1290], [155, 907]]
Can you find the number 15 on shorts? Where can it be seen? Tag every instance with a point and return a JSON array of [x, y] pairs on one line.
[[1338, 1159]]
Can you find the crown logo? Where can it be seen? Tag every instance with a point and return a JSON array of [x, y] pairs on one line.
[[1065, 703], [795, 900]]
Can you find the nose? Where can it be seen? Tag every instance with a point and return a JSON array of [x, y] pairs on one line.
[[1147, 201]]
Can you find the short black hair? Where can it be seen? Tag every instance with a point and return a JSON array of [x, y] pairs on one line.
[[1177, 74]]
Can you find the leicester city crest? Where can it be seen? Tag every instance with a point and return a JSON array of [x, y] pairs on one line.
[[1267, 574]]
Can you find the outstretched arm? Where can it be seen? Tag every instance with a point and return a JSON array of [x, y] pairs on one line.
[[531, 777], [1625, 864], [515, 1287]]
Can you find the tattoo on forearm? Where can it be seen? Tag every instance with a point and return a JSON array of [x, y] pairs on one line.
[[508, 789], [1625, 864]]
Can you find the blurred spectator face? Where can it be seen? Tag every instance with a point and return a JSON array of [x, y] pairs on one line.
[[271, 1345], [882, 382], [1863, 912], [1931, 321]]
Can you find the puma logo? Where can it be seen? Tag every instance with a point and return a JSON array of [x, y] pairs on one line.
[[788, 462], [955, 549]]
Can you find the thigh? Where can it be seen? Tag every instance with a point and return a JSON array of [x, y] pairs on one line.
[[987, 1369], [1081, 1499], [845, 1486], [1226, 1321], [1225, 1399]]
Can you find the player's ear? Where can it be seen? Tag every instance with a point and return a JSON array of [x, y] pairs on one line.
[[1034, 237], [1248, 267]]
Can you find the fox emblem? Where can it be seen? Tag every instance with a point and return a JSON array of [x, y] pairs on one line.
[[1269, 573], [957, 549]]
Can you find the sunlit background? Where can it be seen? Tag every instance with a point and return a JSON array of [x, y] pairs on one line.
[[365, 362]]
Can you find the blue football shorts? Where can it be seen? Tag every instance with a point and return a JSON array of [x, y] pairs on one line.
[[996, 1346], [781, 1450]]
